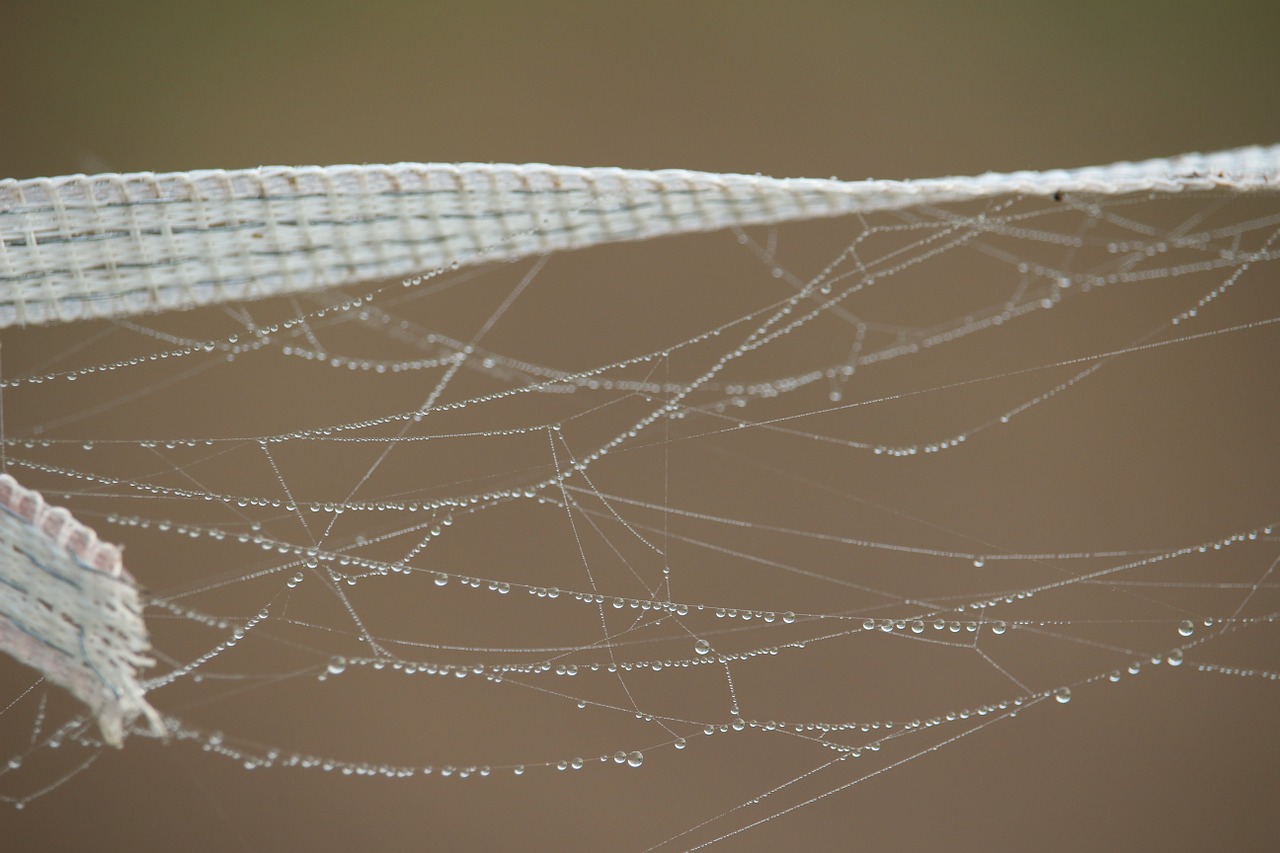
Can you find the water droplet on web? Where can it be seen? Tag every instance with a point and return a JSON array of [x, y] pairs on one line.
[[1062, 695], [1186, 628], [635, 759], [998, 627], [337, 665], [1174, 657], [788, 617], [681, 743], [702, 647]]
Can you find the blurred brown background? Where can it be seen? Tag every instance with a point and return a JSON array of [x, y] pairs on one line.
[[789, 89]]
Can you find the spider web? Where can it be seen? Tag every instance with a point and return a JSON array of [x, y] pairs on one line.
[[753, 517]]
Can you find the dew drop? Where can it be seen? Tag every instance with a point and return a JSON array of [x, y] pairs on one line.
[[635, 759], [1186, 628], [702, 647], [681, 743], [788, 617], [337, 665], [1062, 695]]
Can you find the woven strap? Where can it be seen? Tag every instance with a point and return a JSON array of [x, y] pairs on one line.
[[69, 609], [113, 245]]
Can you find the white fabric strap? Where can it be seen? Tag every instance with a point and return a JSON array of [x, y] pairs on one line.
[[112, 245], [69, 609]]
